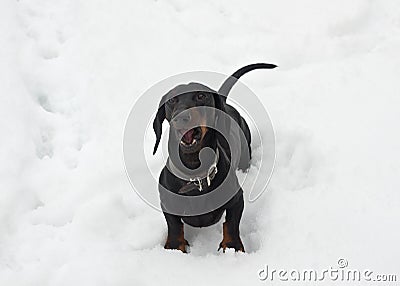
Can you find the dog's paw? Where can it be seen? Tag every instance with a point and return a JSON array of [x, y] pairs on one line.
[[178, 244], [233, 243]]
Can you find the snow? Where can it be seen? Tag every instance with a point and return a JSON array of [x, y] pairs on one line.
[[71, 71]]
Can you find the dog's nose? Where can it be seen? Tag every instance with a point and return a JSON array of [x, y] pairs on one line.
[[182, 119]]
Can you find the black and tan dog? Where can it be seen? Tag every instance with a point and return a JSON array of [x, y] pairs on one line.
[[191, 141]]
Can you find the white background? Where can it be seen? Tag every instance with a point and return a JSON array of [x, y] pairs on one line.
[[70, 72]]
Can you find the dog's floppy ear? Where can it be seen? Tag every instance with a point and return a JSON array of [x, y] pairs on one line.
[[157, 124], [222, 123], [219, 101], [160, 117]]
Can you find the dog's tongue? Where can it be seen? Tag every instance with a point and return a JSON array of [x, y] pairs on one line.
[[188, 136]]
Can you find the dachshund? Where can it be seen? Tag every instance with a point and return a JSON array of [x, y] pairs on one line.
[[190, 133]]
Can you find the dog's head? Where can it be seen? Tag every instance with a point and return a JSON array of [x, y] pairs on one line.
[[178, 107]]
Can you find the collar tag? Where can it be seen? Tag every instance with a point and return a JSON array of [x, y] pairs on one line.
[[201, 182]]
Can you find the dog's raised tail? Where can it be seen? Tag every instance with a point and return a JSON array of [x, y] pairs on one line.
[[230, 81]]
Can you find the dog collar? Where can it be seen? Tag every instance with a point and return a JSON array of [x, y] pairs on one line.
[[199, 182]]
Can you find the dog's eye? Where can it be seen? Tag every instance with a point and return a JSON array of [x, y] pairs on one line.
[[172, 100], [201, 96]]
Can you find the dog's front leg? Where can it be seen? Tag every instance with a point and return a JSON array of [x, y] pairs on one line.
[[175, 239], [231, 236]]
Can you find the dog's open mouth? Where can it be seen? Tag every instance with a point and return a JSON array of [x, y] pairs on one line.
[[190, 137]]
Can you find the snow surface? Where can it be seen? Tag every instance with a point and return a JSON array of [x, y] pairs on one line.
[[71, 70]]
